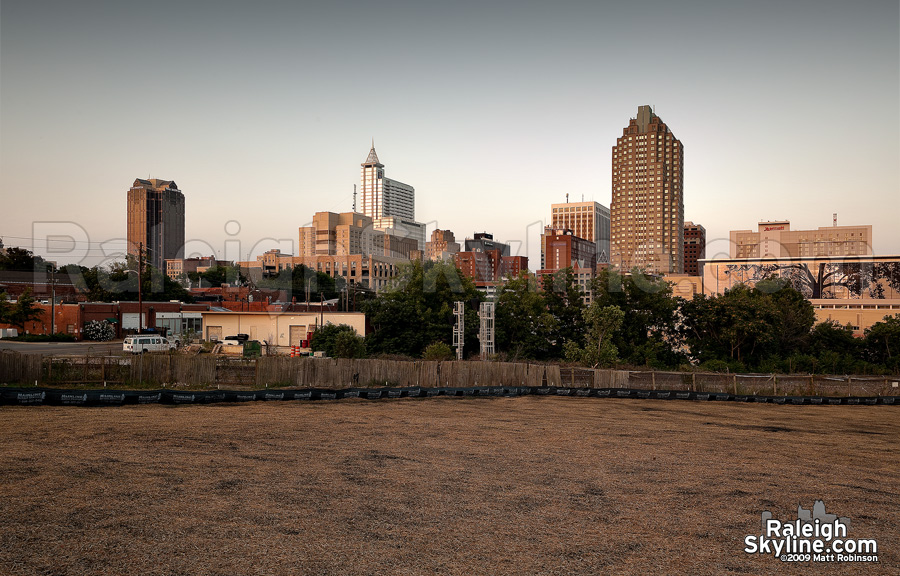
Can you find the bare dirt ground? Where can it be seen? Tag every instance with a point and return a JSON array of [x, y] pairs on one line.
[[470, 486]]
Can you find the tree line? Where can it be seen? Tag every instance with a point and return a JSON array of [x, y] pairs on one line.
[[633, 320]]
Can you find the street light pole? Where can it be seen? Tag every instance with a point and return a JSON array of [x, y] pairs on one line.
[[140, 288]]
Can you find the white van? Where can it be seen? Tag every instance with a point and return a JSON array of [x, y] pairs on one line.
[[147, 343]]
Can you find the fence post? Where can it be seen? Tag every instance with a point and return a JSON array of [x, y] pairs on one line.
[[653, 380], [693, 381], [774, 385], [849, 381], [734, 381]]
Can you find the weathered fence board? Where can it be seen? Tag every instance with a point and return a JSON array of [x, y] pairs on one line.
[[280, 371]]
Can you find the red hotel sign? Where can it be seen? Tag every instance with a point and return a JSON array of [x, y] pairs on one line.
[[770, 228]]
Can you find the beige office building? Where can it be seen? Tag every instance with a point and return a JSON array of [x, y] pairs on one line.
[[776, 240], [369, 271], [155, 216], [351, 233], [647, 209], [587, 220]]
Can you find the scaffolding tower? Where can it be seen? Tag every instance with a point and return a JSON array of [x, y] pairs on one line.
[[486, 331], [459, 328]]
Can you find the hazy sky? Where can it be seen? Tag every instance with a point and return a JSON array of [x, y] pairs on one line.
[[262, 112]]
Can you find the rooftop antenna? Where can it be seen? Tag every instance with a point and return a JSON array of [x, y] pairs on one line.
[[354, 197], [567, 197], [835, 219]]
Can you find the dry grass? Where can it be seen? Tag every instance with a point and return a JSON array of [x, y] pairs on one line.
[[436, 486]]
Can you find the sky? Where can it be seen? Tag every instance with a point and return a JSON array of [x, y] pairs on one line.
[[262, 113]]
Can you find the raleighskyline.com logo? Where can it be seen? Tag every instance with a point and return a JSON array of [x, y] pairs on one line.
[[815, 536]]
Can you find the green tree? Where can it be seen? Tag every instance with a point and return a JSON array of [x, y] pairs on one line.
[[349, 345], [599, 350], [22, 260], [24, 310], [523, 326], [438, 351], [649, 334], [796, 314], [119, 282], [5, 308], [834, 348], [883, 343], [218, 275], [324, 339], [736, 326], [417, 310], [756, 327], [301, 280], [564, 302]]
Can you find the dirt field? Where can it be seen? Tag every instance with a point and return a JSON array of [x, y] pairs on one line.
[[437, 486]]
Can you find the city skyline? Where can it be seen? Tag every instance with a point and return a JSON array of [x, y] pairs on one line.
[[786, 111]]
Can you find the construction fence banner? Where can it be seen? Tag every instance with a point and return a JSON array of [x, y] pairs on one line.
[[65, 397]]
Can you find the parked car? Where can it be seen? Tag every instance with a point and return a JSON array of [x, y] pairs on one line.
[[146, 343]]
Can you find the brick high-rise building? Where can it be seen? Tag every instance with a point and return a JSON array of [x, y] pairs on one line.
[[647, 209], [588, 220], [561, 248], [694, 247], [156, 220]]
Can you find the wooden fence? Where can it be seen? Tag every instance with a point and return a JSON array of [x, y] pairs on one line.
[[168, 370]]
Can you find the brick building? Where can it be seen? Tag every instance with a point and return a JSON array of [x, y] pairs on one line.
[[694, 247], [443, 245], [560, 249]]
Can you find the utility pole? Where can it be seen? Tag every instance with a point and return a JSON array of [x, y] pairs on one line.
[[140, 287], [53, 300]]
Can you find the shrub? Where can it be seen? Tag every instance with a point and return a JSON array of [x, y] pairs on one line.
[[348, 345], [438, 351]]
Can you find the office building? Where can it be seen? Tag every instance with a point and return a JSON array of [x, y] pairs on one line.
[[383, 197], [390, 204], [156, 221], [776, 240], [483, 242], [647, 209], [488, 263], [560, 249], [178, 267], [443, 245], [694, 247], [368, 271], [588, 220], [351, 233]]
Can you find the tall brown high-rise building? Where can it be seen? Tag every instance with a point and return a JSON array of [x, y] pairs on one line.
[[647, 209], [156, 220]]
